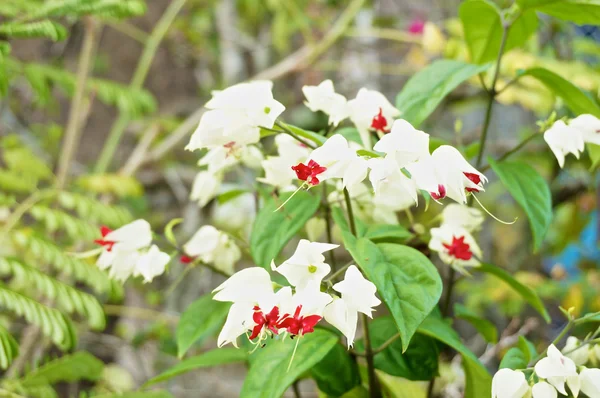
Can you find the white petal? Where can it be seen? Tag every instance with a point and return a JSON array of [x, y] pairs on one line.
[[543, 390], [248, 285], [357, 292], [152, 263], [203, 243], [589, 125], [132, 236], [205, 187], [563, 139], [508, 383], [590, 382], [239, 320], [345, 319]]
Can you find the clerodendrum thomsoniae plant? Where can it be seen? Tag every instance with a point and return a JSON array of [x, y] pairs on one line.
[[353, 190]]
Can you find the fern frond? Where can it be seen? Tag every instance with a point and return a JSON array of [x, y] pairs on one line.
[[55, 220], [94, 210], [9, 349], [13, 8], [47, 252], [23, 161], [53, 323], [7, 200], [115, 184], [69, 299], [14, 182], [102, 8], [69, 368], [45, 28]]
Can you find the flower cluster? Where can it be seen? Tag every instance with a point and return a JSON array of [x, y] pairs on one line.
[[453, 241], [564, 139], [551, 375], [213, 247], [259, 311], [128, 251]]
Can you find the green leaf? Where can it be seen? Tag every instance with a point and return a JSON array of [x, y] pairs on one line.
[[201, 319], [318, 139], [593, 151], [582, 12], [45, 28], [572, 96], [388, 233], [169, 235], [273, 229], [531, 192], [482, 25], [486, 328], [424, 91], [9, 348], [220, 356], [408, 282], [418, 362], [337, 373], [350, 133], [527, 348], [269, 376], [526, 292], [78, 366], [514, 359], [478, 380], [230, 195]]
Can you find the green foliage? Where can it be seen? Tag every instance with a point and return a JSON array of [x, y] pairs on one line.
[[57, 220], [572, 96], [200, 319], [483, 21], [44, 251], [337, 373], [269, 376], [66, 297], [23, 161], [273, 229], [9, 349], [77, 8], [583, 12], [14, 182], [78, 366], [531, 192], [406, 280], [317, 139], [94, 210], [526, 293], [52, 322], [486, 328], [478, 380], [26, 30], [418, 362], [119, 185], [426, 89], [388, 233], [514, 359], [212, 358]]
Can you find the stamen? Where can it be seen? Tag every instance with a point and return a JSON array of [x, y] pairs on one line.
[[493, 216], [291, 196], [293, 354]]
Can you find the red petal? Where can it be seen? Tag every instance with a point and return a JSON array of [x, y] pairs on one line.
[[255, 332]]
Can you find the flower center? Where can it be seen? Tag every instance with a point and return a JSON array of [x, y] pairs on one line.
[[299, 325], [379, 123], [267, 110], [108, 244], [440, 194], [312, 269], [309, 172], [475, 178], [268, 321], [459, 249]]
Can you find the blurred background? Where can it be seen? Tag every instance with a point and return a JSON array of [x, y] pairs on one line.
[[153, 72]]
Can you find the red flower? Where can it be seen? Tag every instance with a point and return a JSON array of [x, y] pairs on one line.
[[299, 325], [379, 123], [440, 194], [269, 321], [475, 178], [309, 172], [185, 259], [459, 249], [108, 244]]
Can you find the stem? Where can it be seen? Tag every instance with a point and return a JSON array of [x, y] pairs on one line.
[[386, 344], [492, 95], [27, 204], [292, 134], [558, 338], [141, 71], [514, 150], [75, 122], [296, 389], [329, 228], [339, 271], [448, 297], [373, 385]]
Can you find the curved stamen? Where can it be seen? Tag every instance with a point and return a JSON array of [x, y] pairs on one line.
[[493, 216]]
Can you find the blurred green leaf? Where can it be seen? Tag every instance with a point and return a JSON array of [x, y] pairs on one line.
[[169, 235], [388, 233], [486, 328], [230, 195], [78, 366], [350, 133], [26, 30], [527, 348], [593, 151], [425, 90], [582, 12], [337, 373], [482, 25], [526, 293], [514, 359], [531, 192]]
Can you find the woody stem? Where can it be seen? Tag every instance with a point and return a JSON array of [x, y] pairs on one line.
[[374, 391]]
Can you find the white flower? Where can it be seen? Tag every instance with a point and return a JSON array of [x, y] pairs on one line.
[[151, 264], [357, 292], [122, 264], [345, 319], [206, 187], [405, 143], [278, 172], [590, 382], [563, 139], [508, 383], [446, 173], [543, 390], [315, 228], [324, 98], [577, 353], [236, 115], [213, 247], [392, 188], [236, 215], [334, 159], [556, 369], [309, 297], [290, 149], [455, 246], [307, 265], [370, 110], [239, 321], [459, 215], [249, 285], [589, 126]]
